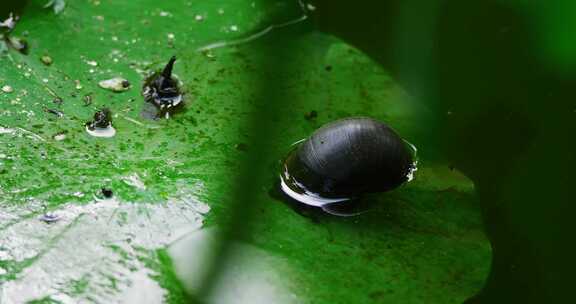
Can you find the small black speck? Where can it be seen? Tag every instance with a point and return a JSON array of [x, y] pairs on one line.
[[328, 68], [311, 115], [107, 193]]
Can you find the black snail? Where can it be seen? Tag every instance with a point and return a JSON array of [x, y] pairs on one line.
[[344, 160], [162, 91]]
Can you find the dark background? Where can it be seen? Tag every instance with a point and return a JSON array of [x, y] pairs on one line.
[[498, 78]]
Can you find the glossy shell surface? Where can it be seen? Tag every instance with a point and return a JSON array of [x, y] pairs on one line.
[[345, 159]]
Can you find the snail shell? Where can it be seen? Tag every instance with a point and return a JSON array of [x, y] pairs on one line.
[[345, 159], [162, 91]]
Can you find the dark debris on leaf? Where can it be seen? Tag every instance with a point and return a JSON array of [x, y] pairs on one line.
[[102, 119], [311, 115], [107, 193], [54, 112]]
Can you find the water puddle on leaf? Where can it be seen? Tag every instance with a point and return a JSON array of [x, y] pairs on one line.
[[93, 253]]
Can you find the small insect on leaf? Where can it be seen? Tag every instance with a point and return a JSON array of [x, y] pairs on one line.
[[57, 5]]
